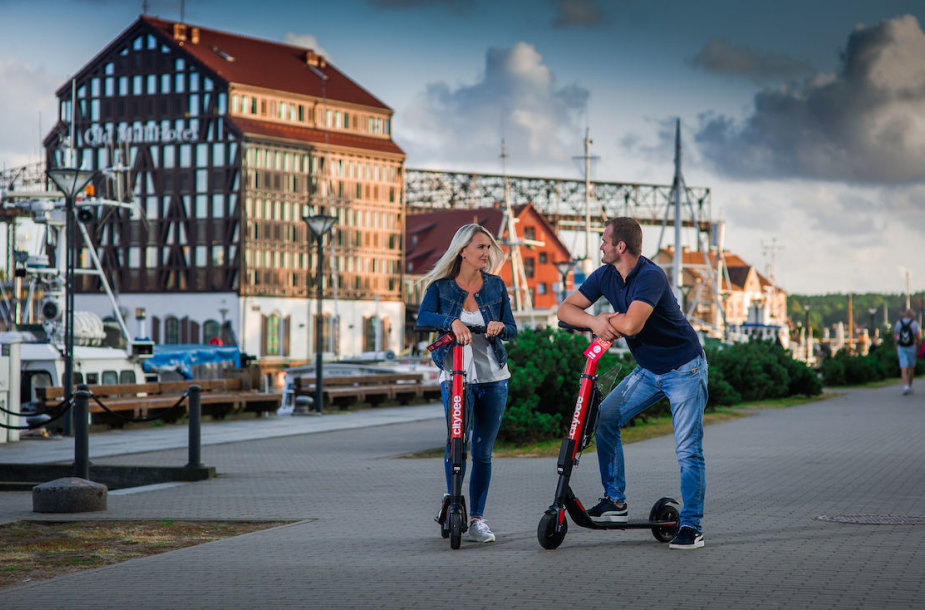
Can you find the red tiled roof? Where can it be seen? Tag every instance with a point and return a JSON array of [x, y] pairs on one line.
[[435, 230], [306, 134], [261, 63]]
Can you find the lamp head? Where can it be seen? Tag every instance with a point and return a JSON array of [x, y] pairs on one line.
[[70, 180], [319, 224]]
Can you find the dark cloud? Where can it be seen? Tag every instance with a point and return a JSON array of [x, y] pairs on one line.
[[721, 57], [577, 13], [864, 124], [516, 98]]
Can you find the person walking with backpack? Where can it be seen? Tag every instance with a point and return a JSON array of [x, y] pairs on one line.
[[908, 337]]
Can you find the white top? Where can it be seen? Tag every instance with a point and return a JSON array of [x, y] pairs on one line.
[[479, 361]]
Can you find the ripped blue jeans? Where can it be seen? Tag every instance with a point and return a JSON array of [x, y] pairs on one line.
[[487, 402], [686, 390]]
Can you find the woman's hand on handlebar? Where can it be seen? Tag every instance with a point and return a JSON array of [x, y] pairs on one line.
[[462, 333], [494, 328]]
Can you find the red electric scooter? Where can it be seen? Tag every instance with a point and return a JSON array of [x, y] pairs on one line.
[[664, 518], [453, 519]]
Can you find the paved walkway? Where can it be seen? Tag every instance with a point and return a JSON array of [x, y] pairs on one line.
[[362, 534]]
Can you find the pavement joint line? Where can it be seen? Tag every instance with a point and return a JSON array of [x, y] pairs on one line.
[[143, 488]]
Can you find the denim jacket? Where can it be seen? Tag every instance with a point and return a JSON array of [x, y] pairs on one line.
[[443, 303]]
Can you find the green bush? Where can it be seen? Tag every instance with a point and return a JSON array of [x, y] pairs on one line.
[[720, 391], [546, 365], [833, 371], [752, 370], [759, 370], [845, 369]]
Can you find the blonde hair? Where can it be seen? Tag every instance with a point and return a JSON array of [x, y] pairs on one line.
[[448, 265]]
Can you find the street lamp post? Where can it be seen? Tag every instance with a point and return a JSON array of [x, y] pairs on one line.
[[319, 225], [564, 267], [70, 180], [809, 337]]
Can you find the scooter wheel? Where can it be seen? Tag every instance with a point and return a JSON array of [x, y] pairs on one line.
[[546, 531], [666, 509], [456, 529]]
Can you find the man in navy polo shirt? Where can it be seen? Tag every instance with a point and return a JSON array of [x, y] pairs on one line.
[[670, 364]]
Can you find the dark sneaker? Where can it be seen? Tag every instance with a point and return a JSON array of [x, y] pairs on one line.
[[687, 538], [608, 511]]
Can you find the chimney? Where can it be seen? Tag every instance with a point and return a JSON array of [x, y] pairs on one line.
[[313, 59]]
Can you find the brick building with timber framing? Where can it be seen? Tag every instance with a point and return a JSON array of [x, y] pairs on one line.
[[229, 142]]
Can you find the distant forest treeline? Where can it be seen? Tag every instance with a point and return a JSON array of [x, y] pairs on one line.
[[826, 310]]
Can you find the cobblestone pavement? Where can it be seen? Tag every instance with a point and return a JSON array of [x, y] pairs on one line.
[[362, 534]]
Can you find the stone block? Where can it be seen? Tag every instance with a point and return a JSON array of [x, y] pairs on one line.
[[69, 495]]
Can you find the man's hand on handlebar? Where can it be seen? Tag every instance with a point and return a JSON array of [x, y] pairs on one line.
[[600, 326]]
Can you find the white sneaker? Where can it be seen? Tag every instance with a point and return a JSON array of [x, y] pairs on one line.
[[479, 532], [907, 390]]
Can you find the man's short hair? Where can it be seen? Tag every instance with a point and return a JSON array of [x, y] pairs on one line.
[[628, 231]]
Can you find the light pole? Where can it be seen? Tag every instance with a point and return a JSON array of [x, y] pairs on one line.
[[319, 225], [70, 181], [809, 337], [564, 267]]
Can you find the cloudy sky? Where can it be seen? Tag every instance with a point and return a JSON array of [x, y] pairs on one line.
[[805, 118]]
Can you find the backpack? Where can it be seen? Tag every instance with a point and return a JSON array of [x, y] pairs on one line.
[[905, 334]]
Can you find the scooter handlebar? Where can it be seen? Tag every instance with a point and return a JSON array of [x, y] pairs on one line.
[[567, 326], [475, 330]]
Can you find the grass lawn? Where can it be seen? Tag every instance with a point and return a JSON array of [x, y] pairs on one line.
[[38, 550]]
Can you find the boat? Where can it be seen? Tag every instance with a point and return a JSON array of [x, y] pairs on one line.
[[104, 352]]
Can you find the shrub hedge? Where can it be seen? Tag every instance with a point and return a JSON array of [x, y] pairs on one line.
[[546, 365]]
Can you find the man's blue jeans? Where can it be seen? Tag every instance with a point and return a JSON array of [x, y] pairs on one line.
[[486, 403], [686, 390]]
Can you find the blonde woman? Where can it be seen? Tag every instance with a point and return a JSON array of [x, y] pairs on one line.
[[461, 291]]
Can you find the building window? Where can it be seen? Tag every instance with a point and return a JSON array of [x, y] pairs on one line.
[[211, 330], [529, 266], [541, 288], [542, 257], [370, 325], [271, 334], [530, 233], [326, 344], [171, 331]]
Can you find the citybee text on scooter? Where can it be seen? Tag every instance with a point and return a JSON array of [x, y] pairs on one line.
[[664, 518], [452, 517]]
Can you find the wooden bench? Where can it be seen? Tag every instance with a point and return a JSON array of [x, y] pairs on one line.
[[219, 397], [372, 389]]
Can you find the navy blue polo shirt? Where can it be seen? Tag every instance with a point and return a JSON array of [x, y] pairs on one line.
[[667, 340]]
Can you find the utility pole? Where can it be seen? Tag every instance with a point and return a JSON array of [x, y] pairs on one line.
[[587, 264], [676, 270]]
